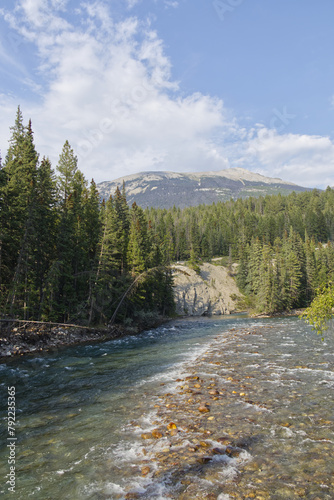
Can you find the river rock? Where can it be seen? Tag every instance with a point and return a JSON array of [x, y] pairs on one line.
[[218, 451], [225, 440], [203, 409], [145, 470], [204, 460], [156, 434], [145, 435], [233, 452]]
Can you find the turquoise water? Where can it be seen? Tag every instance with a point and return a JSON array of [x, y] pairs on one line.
[[81, 410]]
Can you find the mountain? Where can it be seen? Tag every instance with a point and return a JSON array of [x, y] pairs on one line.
[[165, 189]]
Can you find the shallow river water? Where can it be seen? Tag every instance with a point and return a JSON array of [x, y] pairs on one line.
[[242, 408]]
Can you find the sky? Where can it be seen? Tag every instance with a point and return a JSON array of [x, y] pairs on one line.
[[177, 85]]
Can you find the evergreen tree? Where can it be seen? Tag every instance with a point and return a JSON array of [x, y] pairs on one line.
[[21, 169], [310, 269], [138, 247], [242, 267], [72, 273], [119, 228], [67, 168], [45, 233]]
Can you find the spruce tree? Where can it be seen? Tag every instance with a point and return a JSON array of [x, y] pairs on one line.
[[138, 246], [21, 169], [73, 279]]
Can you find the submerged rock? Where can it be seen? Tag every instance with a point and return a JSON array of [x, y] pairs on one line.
[[204, 460], [171, 426], [157, 434], [146, 436], [145, 470], [203, 409]]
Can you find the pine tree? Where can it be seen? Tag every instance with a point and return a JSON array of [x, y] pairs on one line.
[[291, 271], [72, 275], [267, 298], [138, 246], [119, 228], [310, 269], [21, 169], [254, 263], [46, 227], [242, 267], [101, 289], [92, 220], [67, 168]]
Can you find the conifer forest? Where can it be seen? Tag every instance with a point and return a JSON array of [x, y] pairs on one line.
[[66, 255]]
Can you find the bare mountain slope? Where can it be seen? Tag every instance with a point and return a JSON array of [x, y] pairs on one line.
[[165, 189]]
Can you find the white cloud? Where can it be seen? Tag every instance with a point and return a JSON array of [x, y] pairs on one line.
[[109, 92], [171, 3], [303, 159], [131, 3]]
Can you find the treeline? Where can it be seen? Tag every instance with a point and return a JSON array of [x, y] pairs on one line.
[[64, 255], [280, 243], [67, 256], [284, 275]]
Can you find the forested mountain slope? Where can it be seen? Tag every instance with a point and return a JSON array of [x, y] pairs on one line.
[[64, 255], [281, 243]]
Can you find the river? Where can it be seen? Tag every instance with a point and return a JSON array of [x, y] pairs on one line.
[[84, 415]]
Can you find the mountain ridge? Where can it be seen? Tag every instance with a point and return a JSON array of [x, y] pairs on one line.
[[164, 189]]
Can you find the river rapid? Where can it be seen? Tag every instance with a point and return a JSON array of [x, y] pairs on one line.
[[239, 408]]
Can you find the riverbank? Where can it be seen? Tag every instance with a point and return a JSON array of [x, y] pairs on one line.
[[281, 314], [30, 338]]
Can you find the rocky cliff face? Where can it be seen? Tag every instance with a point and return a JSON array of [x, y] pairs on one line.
[[207, 293]]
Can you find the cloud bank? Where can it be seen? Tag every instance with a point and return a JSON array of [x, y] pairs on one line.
[[106, 86]]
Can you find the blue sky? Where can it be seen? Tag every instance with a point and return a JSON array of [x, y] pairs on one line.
[[181, 85]]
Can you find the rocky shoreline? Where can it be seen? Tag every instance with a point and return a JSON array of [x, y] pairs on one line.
[[30, 338], [281, 314], [206, 428], [193, 435], [33, 338]]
